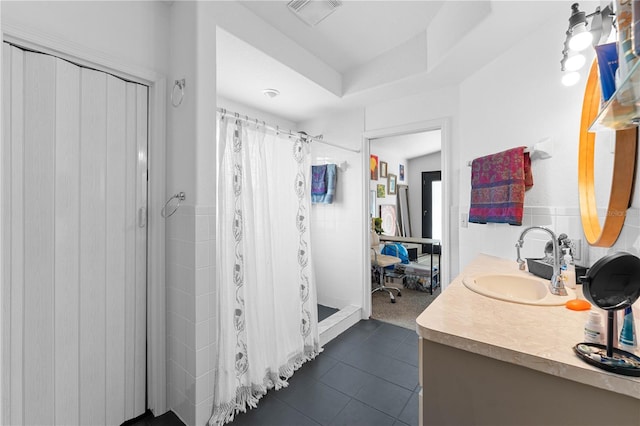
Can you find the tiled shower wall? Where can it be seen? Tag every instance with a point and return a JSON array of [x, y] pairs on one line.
[[190, 299]]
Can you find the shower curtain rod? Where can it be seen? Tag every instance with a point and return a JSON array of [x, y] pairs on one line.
[[278, 129]]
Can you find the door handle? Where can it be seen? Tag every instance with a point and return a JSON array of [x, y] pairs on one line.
[[424, 213], [142, 217]]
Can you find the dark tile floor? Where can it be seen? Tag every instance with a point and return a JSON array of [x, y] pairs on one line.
[[167, 419], [325, 312], [366, 376]]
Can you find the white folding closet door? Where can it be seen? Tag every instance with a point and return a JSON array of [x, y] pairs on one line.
[[76, 182]]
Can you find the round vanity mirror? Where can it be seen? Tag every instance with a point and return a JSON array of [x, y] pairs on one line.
[[605, 232], [603, 159]]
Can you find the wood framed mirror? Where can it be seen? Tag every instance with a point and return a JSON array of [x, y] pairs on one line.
[[626, 141]]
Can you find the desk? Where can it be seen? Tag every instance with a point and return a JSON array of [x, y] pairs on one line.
[[415, 240]]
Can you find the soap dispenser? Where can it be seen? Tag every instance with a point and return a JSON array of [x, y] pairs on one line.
[[568, 270]]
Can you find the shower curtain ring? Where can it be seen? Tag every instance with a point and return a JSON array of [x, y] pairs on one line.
[[180, 84]]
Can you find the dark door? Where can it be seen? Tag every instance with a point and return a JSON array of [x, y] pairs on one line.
[[427, 207]]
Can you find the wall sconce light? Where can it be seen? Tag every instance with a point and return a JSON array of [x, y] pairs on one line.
[[575, 61], [580, 35], [570, 78], [580, 38]]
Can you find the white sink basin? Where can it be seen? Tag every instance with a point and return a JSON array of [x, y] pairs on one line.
[[516, 288]]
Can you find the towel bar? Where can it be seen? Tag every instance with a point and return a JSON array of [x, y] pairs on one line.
[[541, 150]]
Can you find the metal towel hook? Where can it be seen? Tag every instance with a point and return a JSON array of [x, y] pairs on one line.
[[180, 84], [180, 197]]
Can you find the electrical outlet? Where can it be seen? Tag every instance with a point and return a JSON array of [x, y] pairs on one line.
[[464, 220], [576, 248]]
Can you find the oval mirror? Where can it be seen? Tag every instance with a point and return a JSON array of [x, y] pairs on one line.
[[605, 232]]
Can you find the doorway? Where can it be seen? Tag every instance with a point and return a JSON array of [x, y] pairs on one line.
[[406, 151], [432, 209], [76, 233]]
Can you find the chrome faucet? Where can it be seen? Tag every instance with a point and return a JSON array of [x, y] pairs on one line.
[[556, 285]]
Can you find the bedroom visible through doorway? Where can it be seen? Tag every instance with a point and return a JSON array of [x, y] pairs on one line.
[[397, 186]]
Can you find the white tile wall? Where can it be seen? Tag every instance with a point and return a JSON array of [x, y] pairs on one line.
[[499, 239], [190, 298], [629, 240], [337, 233]]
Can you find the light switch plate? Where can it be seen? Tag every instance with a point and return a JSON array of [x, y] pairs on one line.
[[576, 246], [464, 220]]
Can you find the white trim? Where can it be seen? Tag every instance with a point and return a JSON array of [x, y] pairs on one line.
[[4, 257], [156, 285], [442, 124], [338, 323], [156, 314], [366, 273], [76, 53]]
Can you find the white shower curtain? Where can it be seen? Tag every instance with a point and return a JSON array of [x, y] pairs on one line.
[[266, 300]]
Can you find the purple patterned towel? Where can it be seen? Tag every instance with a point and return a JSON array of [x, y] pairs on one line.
[[319, 180], [498, 183]]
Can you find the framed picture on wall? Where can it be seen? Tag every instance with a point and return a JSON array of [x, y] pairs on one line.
[[380, 190], [373, 167], [401, 172], [389, 218], [383, 169], [391, 184]]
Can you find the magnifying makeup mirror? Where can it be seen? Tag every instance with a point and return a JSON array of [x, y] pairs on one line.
[[612, 283]]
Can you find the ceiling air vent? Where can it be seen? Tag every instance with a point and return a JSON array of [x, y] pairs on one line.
[[313, 11]]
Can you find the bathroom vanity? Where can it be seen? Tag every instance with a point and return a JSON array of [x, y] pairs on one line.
[[489, 361]]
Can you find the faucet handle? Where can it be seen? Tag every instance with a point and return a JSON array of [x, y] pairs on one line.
[[521, 265], [519, 259]]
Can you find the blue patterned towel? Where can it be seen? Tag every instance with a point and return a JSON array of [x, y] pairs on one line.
[[332, 177], [319, 180]]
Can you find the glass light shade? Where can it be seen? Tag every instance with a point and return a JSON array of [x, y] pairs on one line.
[[580, 38], [575, 62], [570, 78]]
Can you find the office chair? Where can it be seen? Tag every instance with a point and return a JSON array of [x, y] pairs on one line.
[[379, 262]]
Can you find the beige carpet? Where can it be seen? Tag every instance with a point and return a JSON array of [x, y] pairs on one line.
[[406, 309]]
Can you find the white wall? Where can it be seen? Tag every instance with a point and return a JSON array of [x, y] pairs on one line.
[[337, 230], [501, 109], [181, 228], [440, 105], [426, 163], [135, 32], [543, 108]]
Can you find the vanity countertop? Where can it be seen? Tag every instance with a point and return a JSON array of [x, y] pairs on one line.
[[537, 337]]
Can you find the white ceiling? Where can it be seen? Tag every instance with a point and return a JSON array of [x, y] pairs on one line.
[[375, 50], [244, 71], [413, 145], [355, 33]]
